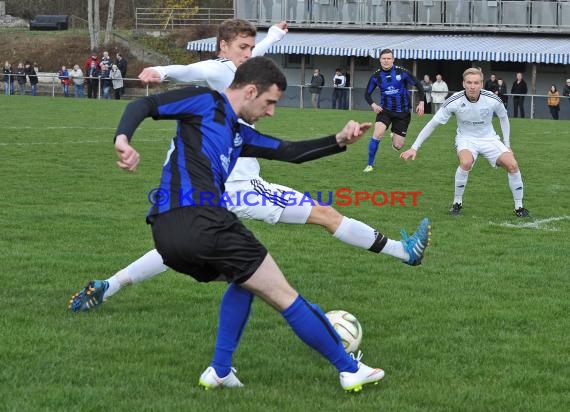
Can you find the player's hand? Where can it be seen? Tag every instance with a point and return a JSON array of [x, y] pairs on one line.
[[376, 108], [128, 157], [150, 75], [282, 25], [409, 153], [352, 132], [420, 108]]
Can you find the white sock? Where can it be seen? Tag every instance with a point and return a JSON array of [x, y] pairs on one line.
[[355, 233], [517, 188], [395, 248], [461, 177], [141, 269]]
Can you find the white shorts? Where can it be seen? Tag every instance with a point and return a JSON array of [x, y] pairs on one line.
[[269, 202], [490, 149]]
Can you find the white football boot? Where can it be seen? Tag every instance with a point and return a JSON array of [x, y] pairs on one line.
[[353, 382], [210, 380]]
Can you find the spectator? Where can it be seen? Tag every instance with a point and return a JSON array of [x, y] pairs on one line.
[[117, 80], [439, 92], [566, 90], [291, 11], [338, 83], [492, 84], [519, 88], [32, 77], [553, 102], [63, 76], [317, 83], [91, 59], [106, 60], [268, 5], [122, 64], [8, 79], [426, 85], [502, 92], [106, 81], [93, 74], [21, 78], [78, 81]]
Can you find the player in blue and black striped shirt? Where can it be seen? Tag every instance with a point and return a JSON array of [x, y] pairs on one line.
[[394, 105]]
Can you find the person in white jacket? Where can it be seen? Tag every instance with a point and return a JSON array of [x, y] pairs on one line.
[[439, 92]]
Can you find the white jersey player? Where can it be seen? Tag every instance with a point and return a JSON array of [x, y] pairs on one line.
[[474, 108], [274, 203]]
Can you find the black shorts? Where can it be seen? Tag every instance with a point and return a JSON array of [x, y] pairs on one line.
[[208, 243], [399, 121]]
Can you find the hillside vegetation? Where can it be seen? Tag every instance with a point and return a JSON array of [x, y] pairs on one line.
[[52, 49]]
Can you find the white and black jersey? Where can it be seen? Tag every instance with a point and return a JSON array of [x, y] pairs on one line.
[[474, 119]]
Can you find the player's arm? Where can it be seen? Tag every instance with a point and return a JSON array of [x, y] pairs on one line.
[[177, 72], [421, 94], [506, 130], [376, 108], [422, 137], [268, 147], [274, 34], [175, 104]]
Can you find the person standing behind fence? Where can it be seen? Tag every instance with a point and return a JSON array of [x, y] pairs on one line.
[[63, 76], [519, 88], [8, 79], [439, 91], [32, 77], [21, 78], [317, 83], [78, 81], [502, 92], [117, 81], [122, 64], [553, 102], [426, 85], [338, 84], [93, 80], [106, 81]]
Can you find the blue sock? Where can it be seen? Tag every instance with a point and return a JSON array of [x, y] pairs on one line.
[[234, 313], [310, 324], [372, 149]]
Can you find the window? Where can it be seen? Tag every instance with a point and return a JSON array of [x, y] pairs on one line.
[[293, 61]]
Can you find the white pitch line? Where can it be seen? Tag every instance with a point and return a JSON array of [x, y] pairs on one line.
[[537, 224]]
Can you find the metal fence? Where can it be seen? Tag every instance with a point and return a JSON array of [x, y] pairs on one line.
[[295, 96], [172, 18]]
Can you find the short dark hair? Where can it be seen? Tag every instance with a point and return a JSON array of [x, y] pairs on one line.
[[386, 51], [261, 72], [228, 30]]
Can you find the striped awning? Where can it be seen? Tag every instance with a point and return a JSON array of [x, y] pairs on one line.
[[470, 47]]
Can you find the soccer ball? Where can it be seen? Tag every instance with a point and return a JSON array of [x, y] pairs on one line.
[[348, 328]]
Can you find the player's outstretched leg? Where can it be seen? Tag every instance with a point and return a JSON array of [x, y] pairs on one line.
[[89, 297], [416, 244], [143, 268]]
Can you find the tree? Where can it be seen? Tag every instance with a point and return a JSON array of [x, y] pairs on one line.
[[109, 28]]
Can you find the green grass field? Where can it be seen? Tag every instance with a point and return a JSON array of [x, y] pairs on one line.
[[482, 325]]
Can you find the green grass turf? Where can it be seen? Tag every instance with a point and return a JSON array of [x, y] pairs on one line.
[[482, 325]]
